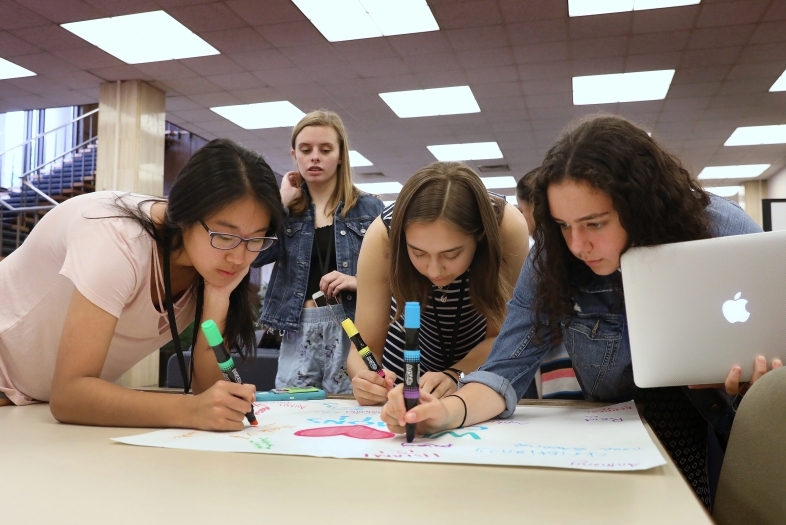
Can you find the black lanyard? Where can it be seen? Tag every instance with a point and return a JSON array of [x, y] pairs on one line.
[[170, 310], [448, 354], [324, 264]]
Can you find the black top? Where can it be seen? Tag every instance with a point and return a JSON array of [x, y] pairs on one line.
[[323, 258]]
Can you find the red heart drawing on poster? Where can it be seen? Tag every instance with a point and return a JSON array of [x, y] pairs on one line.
[[355, 432]]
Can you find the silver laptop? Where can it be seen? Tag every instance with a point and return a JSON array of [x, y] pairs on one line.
[[695, 309]]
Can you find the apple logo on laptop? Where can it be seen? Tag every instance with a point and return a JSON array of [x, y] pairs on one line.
[[734, 310]]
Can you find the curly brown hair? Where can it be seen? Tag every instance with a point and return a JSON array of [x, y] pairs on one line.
[[657, 201]]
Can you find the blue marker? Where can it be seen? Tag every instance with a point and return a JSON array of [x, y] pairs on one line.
[[411, 362]]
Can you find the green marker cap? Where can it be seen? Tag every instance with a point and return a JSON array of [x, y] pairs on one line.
[[212, 333]]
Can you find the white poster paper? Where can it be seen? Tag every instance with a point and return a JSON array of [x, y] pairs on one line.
[[608, 438]]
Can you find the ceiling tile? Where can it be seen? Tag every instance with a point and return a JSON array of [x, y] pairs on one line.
[[292, 34], [122, 7], [537, 32], [207, 17], [15, 16], [731, 13], [64, 11], [649, 43], [598, 66], [653, 62], [212, 65], [51, 38], [467, 14], [764, 53], [547, 52], [486, 57], [532, 10], [599, 47], [380, 67], [485, 37], [657, 20], [546, 71], [420, 43], [487, 75], [283, 77], [717, 37], [432, 63], [366, 49], [42, 63], [551, 100], [167, 70], [236, 81], [11, 46], [193, 86], [88, 58], [268, 12], [236, 40], [585, 27], [710, 57], [264, 59]]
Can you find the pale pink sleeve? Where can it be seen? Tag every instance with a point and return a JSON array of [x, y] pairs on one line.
[[103, 260]]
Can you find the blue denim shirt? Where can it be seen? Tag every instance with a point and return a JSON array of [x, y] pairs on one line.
[[595, 336], [286, 291]]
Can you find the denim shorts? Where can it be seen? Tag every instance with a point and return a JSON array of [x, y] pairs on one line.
[[315, 355]]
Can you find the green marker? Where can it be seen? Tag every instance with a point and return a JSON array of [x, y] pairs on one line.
[[225, 362]]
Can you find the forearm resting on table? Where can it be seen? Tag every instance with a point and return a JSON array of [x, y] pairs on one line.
[[483, 404], [93, 401]]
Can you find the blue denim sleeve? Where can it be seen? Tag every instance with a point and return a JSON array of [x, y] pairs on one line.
[[727, 218], [268, 256], [516, 352]]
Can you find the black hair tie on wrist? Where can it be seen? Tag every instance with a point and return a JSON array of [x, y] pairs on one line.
[[465, 409], [450, 376]]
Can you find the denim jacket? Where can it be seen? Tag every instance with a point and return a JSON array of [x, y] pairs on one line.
[[286, 291], [595, 336]]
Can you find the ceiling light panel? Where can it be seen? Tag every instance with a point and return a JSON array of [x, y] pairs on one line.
[[602, 7], [143, 37], [282, 114], [724, 191], [356, 160], [498, 183], [512, 200], [757, 135], [432, 102], [746, 171], [340, 20], [469, 151], [11, 70], [392, 188], [780, 84], [622, 87]]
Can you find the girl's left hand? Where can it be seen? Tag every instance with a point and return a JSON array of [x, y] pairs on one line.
[[438, 384], [732, 384], [221, 293], [335, 282]]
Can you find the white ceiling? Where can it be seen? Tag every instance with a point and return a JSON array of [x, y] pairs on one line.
[[518, 57]]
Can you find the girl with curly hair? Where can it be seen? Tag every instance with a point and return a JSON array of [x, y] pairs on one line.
[[604, 187]]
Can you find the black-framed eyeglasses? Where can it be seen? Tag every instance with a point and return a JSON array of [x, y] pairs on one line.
[[228, 241]]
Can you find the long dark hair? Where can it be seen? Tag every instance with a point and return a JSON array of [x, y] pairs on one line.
[[451, 191], [218, 175], [657, 201]]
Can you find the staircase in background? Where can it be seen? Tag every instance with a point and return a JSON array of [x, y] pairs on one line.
[[71, 172]]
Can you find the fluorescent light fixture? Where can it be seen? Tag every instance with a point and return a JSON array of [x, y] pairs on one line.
[[143, 37], [621, 87], [430, 102], [601, 7], [262, 115], [356, 160], [469, 151], [380, 187], [340, 20], [756, 135], [746, 171], [512, 200], [498, 183], [724, 191], [11, 70], [780, 84]]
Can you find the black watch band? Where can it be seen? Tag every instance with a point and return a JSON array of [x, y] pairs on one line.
[[459, 374]]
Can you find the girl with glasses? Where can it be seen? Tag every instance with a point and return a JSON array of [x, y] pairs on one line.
[[106, 278], [326, 221]]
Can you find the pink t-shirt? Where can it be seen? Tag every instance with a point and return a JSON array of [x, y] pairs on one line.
[[110, 261]]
